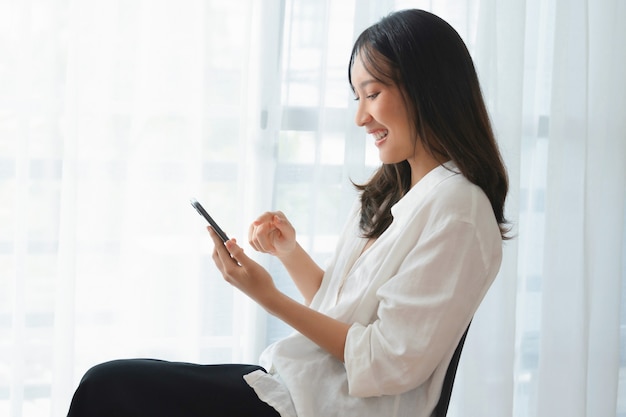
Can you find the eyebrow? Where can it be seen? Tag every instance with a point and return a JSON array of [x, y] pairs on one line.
[[367, 82]]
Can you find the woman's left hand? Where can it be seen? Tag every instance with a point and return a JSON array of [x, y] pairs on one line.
[[241, 271], [253, 280]]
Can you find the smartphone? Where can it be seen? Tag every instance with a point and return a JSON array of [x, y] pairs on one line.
[[208, 218]]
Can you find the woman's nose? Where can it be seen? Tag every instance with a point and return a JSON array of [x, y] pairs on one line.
[[362, 116]]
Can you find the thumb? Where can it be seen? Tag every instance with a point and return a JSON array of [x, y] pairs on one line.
[[236, 252], [282, 224]]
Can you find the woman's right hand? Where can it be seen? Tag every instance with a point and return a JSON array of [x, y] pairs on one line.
[[272, 233]]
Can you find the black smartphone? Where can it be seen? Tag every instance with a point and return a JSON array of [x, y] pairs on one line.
[[209, 219]]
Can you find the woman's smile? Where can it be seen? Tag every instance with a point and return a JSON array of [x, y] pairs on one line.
[[379, 135]]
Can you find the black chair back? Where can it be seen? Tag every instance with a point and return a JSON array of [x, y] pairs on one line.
[[441, 409]]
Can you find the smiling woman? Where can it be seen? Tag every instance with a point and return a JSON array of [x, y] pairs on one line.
[[380, 324], [113, 114], [382, 111]]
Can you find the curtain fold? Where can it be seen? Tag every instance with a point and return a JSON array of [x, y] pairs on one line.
[[580, 318], [113, 115], [606, 205], [565, 319], [501, 71]]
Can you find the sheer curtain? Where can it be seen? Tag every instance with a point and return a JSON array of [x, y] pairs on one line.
[[114, 114]]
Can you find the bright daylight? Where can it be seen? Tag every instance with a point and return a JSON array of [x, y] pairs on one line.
[[312, 208]]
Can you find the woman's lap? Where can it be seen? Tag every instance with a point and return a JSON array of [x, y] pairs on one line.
[[149, 387]]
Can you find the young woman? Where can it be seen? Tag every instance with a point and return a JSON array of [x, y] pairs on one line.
[[420, 249]]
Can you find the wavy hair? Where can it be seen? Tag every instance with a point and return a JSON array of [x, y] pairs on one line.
[[427, 59]]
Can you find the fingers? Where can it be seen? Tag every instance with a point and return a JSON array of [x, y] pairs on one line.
[[221, 255], [226, 255], [236, 253], [264, 237], [239, 270], [263, 232], [282, 224]]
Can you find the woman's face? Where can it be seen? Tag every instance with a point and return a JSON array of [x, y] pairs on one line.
[[383, 112]]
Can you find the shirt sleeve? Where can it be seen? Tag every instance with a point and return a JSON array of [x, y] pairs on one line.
[[424, 308]]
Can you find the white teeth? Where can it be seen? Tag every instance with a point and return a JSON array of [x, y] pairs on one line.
[[380, 134]]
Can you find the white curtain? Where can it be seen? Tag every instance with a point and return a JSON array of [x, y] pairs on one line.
[[114, 114]]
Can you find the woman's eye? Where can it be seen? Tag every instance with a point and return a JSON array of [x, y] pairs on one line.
[[369, 96]]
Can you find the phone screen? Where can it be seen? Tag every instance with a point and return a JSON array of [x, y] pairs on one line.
[[208, 218]]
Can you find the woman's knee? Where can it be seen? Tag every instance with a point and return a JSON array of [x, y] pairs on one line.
[[105, 382], [103, 374], [90, 394]]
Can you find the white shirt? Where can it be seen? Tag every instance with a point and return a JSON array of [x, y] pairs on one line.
[[410, 296]]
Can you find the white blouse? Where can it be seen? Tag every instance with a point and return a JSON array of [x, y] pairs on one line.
[[409, 296]]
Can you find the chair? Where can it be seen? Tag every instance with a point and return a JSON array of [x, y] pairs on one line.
[[441, 409]]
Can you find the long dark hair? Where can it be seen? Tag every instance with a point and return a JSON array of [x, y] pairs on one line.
[[427, 59]]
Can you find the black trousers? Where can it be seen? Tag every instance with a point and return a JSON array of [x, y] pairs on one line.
[[148, 387]]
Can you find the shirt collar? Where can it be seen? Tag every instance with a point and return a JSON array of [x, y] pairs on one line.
[[424, 186]]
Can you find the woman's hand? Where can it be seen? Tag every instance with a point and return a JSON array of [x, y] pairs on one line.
[[252, 279], [272, 233], [241, 271]]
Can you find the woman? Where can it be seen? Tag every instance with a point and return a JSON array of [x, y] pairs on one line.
[[417, 255]]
